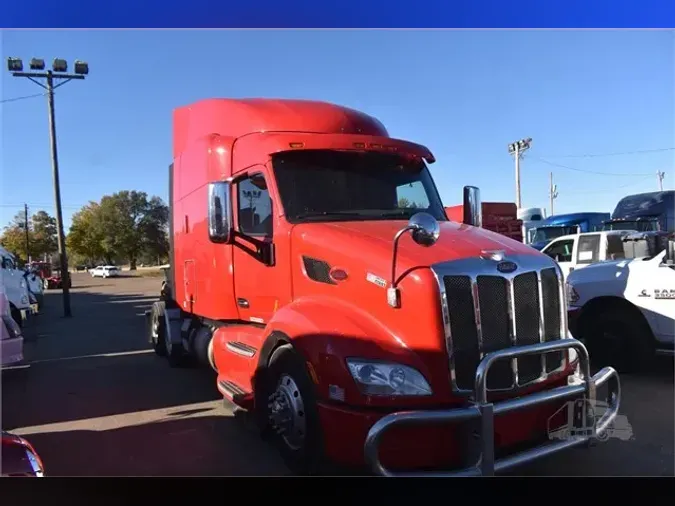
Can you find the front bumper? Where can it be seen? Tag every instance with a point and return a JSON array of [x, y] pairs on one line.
[[485, 412]]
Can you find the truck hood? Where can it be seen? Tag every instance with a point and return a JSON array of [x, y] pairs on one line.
[[611, 269], [540, 245], [371, 242]]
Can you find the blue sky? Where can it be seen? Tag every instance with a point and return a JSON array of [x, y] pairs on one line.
[[464, 94]]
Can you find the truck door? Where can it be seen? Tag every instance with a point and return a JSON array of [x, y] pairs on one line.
[[258, 281], [654, 283], [561, 251], [588, 250]]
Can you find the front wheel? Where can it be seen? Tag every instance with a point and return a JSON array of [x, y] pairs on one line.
[[292, 414], [158, 329], [620, 338]]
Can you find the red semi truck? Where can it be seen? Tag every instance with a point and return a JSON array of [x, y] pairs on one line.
[[353, 330], [500, 217]]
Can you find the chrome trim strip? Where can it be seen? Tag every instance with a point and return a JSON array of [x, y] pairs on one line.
[[485, 412], [511, 298], [476, 315], [241, 349], [542, 327]]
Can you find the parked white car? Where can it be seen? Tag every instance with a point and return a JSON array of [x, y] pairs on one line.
[[16, 287], [624, 310], [104, 271], [581, 250], [11, 338]]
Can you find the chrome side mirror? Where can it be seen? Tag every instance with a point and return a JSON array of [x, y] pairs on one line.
[[424, 228], [220, 212], [472, 207], [425, 231]]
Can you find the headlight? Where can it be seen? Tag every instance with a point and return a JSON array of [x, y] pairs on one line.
[[386, 378], [572, 295]]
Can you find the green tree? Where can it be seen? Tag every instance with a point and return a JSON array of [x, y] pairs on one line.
[[41, 235], [85, 238], [14, 237], [126, 225], [44, 236]]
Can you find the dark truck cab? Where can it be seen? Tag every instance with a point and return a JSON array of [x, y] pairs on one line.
[[644, 212]]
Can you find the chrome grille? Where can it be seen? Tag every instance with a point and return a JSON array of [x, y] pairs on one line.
[[486, 311]]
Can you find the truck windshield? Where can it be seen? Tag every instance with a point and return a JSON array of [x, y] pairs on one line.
[[323, 185], [639, 225], [550, 233]]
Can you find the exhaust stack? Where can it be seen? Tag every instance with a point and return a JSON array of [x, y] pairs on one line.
[[473, 214]]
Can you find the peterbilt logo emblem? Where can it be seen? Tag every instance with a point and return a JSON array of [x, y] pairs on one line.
[[506, 267]]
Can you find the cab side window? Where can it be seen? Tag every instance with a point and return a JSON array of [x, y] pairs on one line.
[[254, 206], [589, 249], [561, 251], [615, 247], [7, 263]]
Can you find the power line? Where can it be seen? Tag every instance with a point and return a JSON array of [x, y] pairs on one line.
[[41, 206], [553, 164], [634, 183], [623, 153], [34, 95]]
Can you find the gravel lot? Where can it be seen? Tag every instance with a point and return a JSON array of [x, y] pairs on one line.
[[94, 400]]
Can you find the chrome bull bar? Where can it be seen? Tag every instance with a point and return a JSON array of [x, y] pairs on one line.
[[486, 411]]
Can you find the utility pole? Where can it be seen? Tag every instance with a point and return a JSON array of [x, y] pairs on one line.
[[660, 175], [517, 149], [25, 223], [552, 191], [58, 72]]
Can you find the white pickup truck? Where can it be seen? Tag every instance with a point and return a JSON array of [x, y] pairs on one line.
[[624, 310], [581, 250]]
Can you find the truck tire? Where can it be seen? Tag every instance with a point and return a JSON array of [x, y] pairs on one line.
[[291, 412], [175, 353], [158, 329], [621, 338]]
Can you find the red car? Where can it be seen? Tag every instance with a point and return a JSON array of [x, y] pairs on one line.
[[19, 458]]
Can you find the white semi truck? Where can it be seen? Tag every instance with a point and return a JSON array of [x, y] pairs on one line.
[[624, 310]]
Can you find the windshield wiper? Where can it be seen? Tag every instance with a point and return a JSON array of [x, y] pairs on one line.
[[403, 213], [328, 214]]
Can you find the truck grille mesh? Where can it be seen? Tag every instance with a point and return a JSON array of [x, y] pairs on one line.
[[489, 313]]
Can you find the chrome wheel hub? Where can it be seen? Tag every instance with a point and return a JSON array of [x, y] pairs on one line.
[[287, 412]]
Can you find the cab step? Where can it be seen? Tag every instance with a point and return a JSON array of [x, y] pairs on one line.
[[235, 394]]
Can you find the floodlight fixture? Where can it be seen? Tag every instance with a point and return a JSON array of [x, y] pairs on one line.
[[14, 64], [37, 64], [81, 67], [59, 65]]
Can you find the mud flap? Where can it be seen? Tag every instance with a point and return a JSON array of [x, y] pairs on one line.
[[173, 326]]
